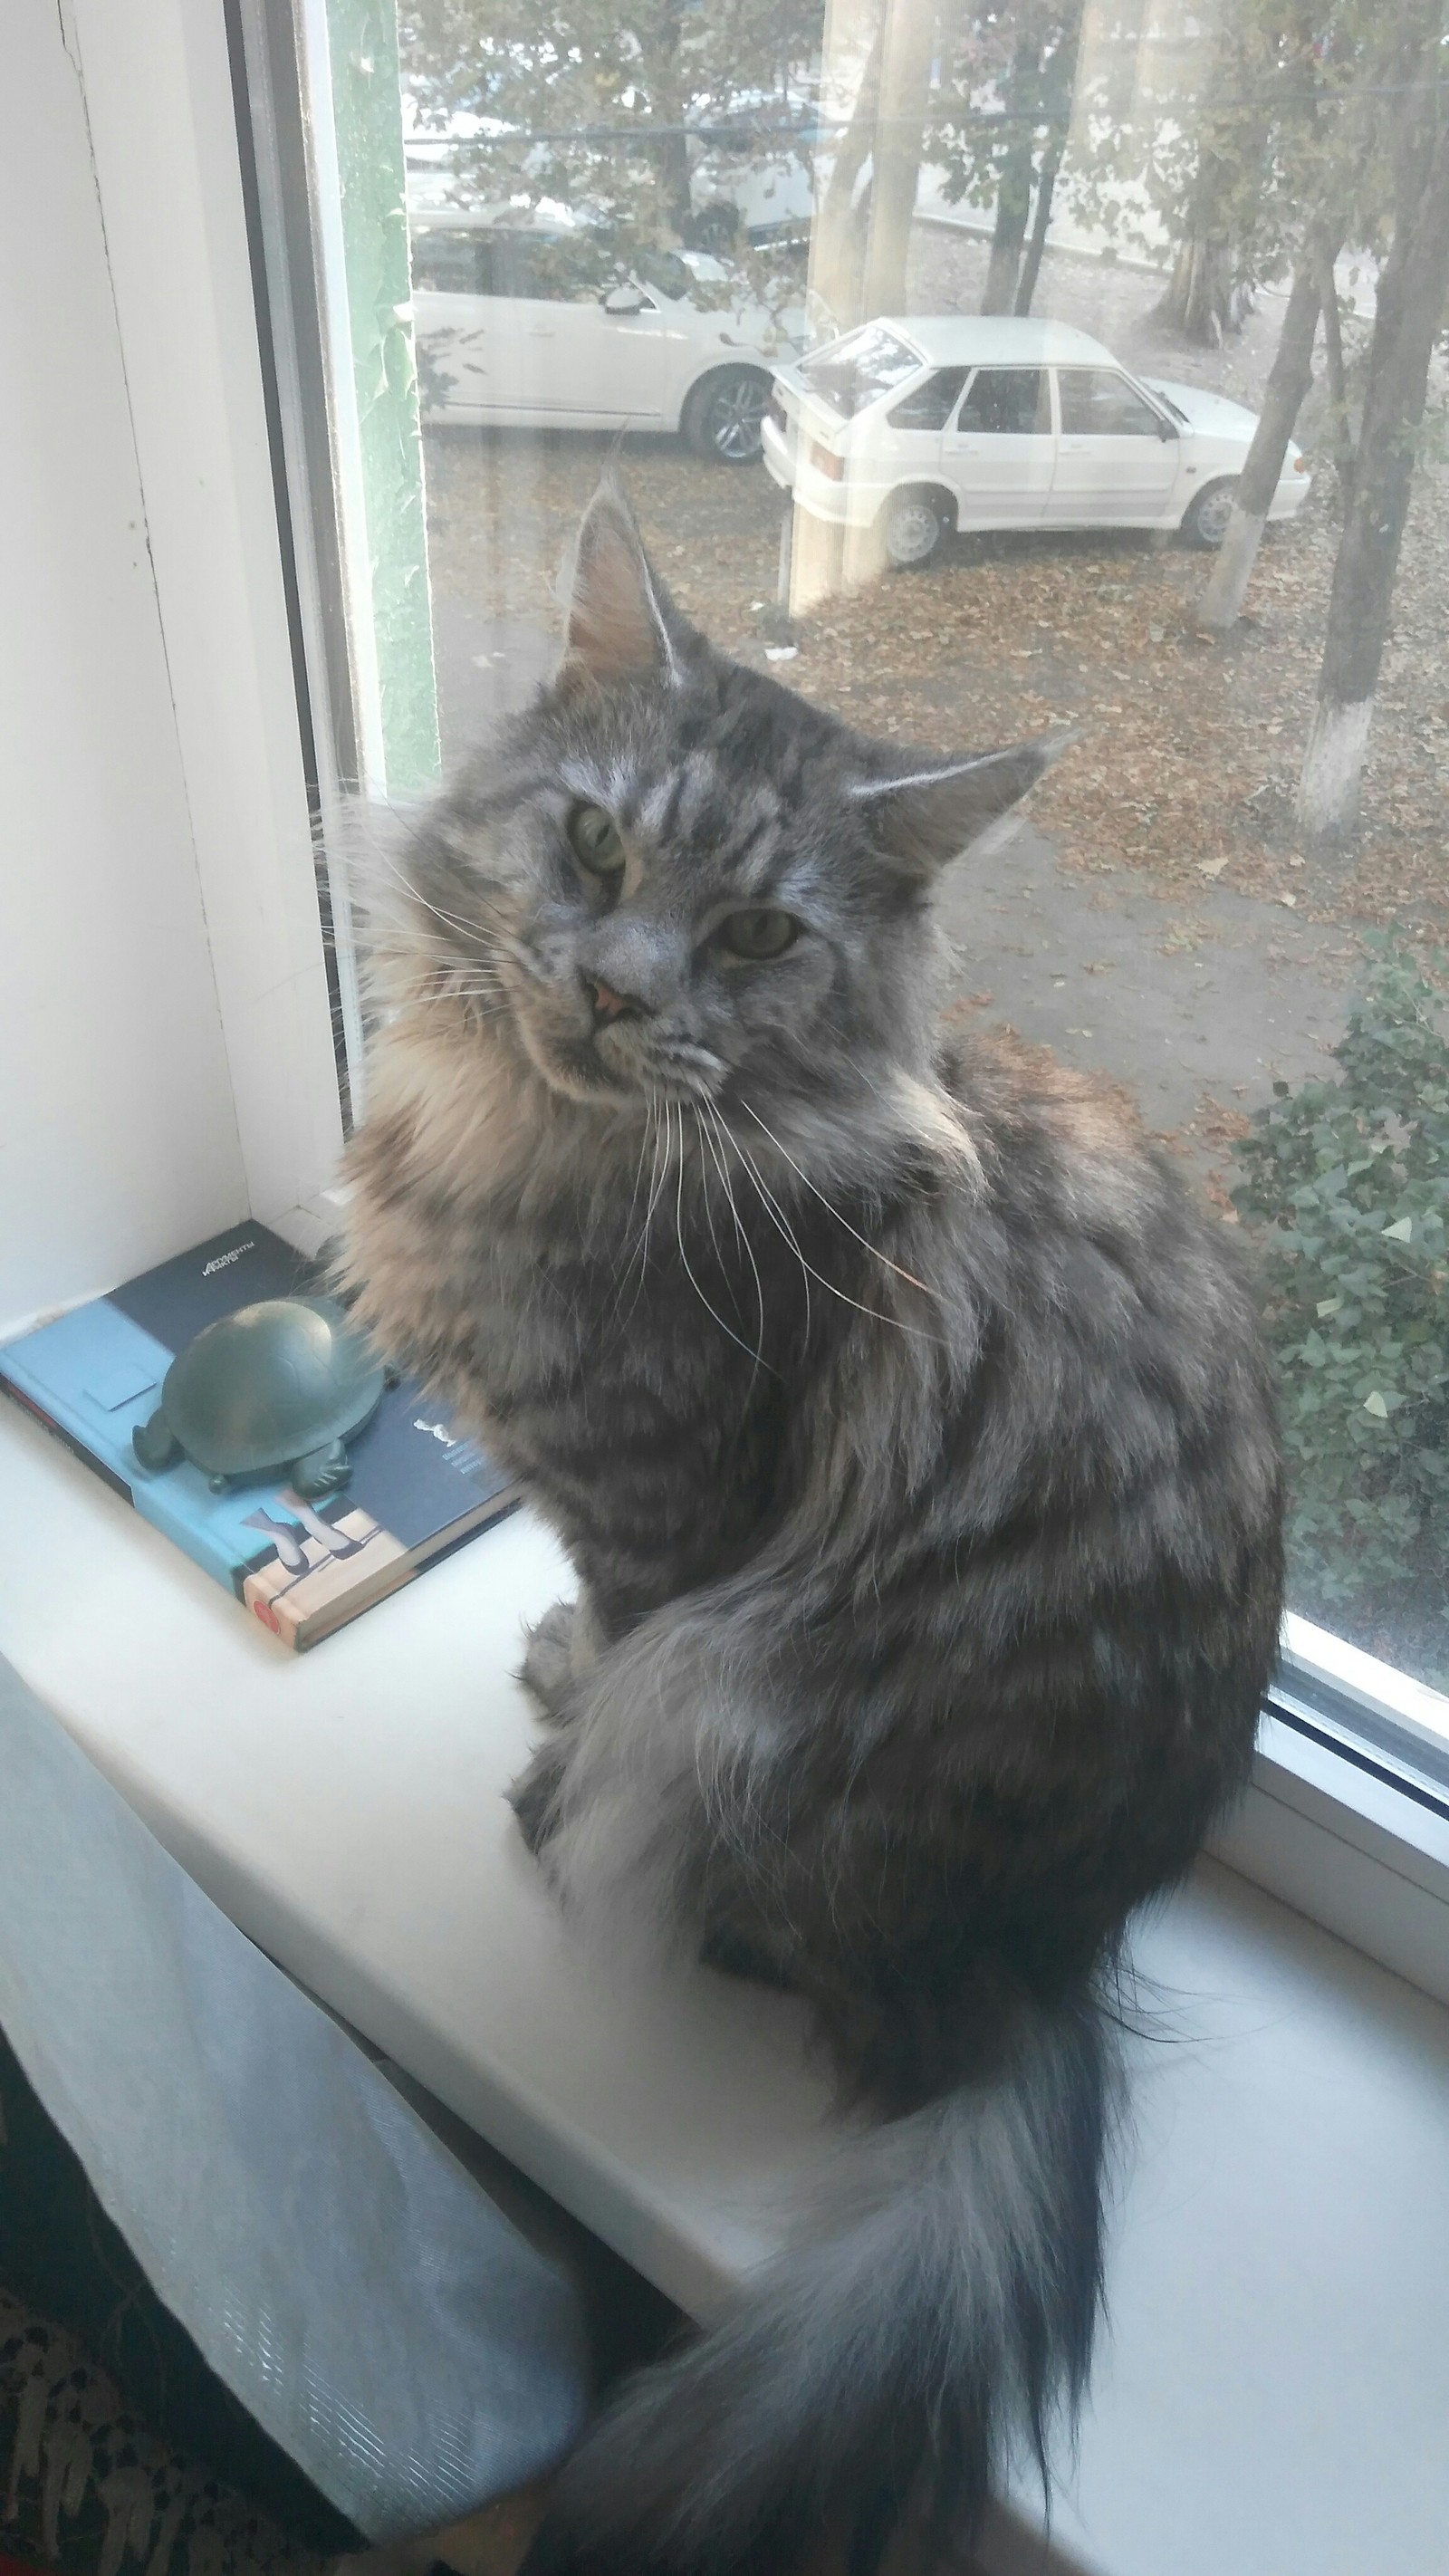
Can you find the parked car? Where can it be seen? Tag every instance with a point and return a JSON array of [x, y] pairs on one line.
[[544, 324], [917, 428], [751, 164]]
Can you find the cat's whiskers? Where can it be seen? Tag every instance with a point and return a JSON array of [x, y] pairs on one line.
[[757, 1357], [864, 1240], [625, 1264], [711, 1114], [478, 1006], [659, 1172], [706, 1141], [449, 980], [780, 1223], [491, 922], [645, 1138], [772, 1210], [449, 920]]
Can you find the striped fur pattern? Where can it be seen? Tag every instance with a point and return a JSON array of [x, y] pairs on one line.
[[909, 1429]]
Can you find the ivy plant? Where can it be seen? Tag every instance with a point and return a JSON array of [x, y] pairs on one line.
[[1347, 1184]]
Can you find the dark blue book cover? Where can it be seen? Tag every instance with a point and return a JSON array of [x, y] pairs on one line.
[[417, 1487]]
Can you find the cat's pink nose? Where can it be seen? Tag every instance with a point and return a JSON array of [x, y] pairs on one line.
[[608, 1005]]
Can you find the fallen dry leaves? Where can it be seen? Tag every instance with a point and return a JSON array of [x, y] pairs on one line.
[[1187, 751]]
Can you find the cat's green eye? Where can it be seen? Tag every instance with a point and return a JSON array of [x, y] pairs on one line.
[[594, 840], [758, 934]]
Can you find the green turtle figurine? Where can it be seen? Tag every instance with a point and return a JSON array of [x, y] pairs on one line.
[[277, 1389]]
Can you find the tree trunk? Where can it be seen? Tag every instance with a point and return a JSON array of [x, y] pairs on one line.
[[1198, 300], [659, 48], [837, 262], [1013, 192], [1040, 223], [905, 82], [1292, 374], [1060, 85], [1410, 303], [672, 152], [1340, 429]]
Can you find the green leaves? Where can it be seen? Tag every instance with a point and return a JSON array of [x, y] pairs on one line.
[[1347, 1186]]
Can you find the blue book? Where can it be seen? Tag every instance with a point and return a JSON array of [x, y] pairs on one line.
[[418, 1486]]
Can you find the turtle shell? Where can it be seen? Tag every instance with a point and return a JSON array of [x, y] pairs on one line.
[[259, 1388]]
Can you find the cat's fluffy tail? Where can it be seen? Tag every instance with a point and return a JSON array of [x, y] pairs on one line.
[[938, 2312]]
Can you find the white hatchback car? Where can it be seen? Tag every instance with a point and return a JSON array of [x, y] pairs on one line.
[[917, 428], [543, 326]]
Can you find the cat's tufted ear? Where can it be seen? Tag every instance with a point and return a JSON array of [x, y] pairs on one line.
[[927, 816], [621, 622]]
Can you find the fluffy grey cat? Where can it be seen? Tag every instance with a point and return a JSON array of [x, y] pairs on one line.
[[910, 1432]]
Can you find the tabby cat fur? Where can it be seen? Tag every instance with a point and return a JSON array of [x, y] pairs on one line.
[[910, 1432]]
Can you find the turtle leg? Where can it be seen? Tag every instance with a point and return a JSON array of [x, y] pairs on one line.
[[321, 1471], [155, 1444]]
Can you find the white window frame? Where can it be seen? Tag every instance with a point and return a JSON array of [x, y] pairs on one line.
[[159, 102], [1349, 1843]]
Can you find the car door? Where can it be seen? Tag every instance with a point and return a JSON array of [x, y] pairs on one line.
[[642, 349], [576, 359], [902, 443], [1117, 458], [998, 453], [550, 285]]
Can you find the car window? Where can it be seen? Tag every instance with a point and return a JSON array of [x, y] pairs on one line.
[[452, 263], [1097, 402], [930, 405], [554, 268], [665, 270], [1006, 402], [852, 372]]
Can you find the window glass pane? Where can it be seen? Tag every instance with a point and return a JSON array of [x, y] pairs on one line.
[[859, 369], [1228, 898], [1097, 403], [451, 263], [931, 404], [673, 274], [556, 268], [1007, 402]]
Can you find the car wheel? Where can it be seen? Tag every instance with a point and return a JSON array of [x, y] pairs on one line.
[[912, 525], [1206, 522], [723, 414]]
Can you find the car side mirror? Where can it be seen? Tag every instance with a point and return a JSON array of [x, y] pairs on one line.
[[624, 299], [1165, 429]]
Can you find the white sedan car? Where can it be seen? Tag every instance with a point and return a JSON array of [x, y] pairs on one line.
[[544, 327], [917, 428]]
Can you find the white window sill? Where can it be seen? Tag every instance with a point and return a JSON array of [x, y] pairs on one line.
[[1272, 2398]]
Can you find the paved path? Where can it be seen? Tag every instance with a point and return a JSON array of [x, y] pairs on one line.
[[1212, 1000]]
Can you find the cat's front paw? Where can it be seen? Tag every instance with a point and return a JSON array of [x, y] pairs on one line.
[[548, 1664], [534, 1797]]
